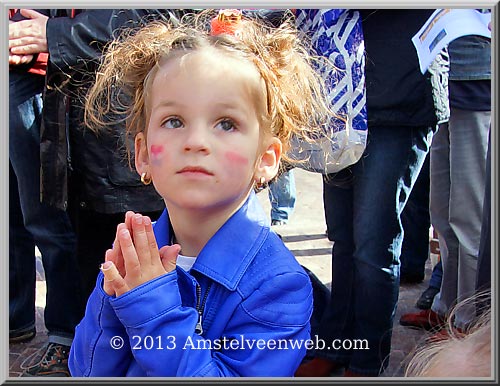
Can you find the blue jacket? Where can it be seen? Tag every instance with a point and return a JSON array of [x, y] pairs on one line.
[[257, 293]]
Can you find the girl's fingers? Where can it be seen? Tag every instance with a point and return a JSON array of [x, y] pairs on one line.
[[120, 265], [108, 257], [130, 258], [128, 221], [168, 256], [113, 284], [153, 246], [141, 241]]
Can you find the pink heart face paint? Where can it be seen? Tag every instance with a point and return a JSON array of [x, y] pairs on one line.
[[156, 152], [236, 158]]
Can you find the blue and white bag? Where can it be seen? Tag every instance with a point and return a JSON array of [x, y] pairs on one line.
[[336, 34]]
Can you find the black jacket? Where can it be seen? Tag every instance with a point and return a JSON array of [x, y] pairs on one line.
[[94, 169], [397, 93]]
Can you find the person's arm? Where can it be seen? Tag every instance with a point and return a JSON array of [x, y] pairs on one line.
[[69, 40], [279, 310], [94, 350]]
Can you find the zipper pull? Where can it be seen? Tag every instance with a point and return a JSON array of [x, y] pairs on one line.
[[199, 328]]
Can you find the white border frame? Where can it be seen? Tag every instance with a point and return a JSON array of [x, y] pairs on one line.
[[5, 5]]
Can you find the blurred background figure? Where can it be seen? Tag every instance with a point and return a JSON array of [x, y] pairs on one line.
[[282, 195], [458, 179], [87, 176], [34, 223]]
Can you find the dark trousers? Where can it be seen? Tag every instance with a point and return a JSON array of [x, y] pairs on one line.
[[31, 222], [416, 221], [363, 206]]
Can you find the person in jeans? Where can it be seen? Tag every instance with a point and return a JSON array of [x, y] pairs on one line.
[[282, 197], [34, 223], [364, 202], [78, 172], [416, 222], [458, 178]]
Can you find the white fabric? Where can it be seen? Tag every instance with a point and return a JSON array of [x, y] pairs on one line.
[[185, 262]]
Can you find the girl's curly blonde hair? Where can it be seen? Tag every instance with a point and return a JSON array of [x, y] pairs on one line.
[[297, 102]]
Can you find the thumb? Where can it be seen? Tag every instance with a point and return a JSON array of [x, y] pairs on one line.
[[30, 14], [168, 256], [114, 284]]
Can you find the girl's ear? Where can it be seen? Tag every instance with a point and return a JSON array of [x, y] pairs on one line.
[[141, 154], [268, 164]]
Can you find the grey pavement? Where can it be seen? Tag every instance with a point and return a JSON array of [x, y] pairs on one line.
[[305, 237]]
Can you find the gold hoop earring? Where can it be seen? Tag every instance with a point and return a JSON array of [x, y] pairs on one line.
[[145, 178], [260, 184]]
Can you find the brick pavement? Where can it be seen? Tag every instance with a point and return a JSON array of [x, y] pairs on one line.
[[305, 237]]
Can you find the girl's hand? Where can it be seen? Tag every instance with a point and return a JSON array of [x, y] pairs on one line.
[[142, 261], [115, 254]]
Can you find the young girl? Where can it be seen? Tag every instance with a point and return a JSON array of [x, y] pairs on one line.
[[208, 290]]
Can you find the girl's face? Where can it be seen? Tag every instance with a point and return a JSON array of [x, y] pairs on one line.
[[204, 147]]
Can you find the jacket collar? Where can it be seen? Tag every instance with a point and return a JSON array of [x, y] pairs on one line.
[[230, 251]]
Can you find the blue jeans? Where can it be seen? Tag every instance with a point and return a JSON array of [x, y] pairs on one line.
[[437, 275], [282, 196], [363, 206], [34, 223], [416, 220]]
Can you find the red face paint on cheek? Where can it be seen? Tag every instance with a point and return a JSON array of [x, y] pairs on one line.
[[236, 158], [156, 152]]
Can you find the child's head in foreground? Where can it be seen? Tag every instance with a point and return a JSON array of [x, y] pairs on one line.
[[466, 354], [211, 115]]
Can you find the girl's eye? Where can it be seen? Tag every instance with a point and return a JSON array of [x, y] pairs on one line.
[[226, 125], [172, 123]]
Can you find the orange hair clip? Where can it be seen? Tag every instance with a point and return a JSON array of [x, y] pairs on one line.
[[226, 22]]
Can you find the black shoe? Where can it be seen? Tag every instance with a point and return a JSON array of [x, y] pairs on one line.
[[411, 278], [277, 222], [427, 297], [54, 363], [22, 336]]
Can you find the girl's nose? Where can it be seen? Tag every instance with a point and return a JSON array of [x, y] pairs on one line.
[[196, 139]]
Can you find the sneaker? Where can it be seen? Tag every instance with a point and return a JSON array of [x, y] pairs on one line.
[[22, 336], [427, 297], [426, 319], [54, 363], [278, 222]]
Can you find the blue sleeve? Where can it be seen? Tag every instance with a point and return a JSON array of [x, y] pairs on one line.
[[277, 314], [95, 351], [278, 311]]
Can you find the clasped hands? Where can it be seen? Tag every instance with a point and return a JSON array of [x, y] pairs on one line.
[[135, 258]]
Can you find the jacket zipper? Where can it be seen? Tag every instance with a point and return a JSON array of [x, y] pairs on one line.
[[66, 124], [200, 307], [67, 102]]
